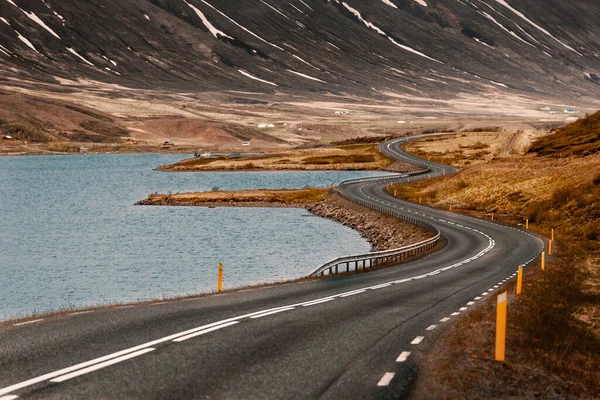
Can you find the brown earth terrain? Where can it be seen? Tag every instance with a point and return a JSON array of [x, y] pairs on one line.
[[354, 157], [553, 348]]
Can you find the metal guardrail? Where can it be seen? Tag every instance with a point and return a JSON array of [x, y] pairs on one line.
[[379, 258]]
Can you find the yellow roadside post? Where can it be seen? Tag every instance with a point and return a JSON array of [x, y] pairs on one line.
[[395, 192], [543, 260], [552, 234], [550, 248], [501, 305], [492, 216], [419, 200], [450, 207], [527, 223], [520, 280], [220, 282]]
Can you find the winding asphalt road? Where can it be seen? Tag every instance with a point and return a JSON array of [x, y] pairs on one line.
[[357, 337]]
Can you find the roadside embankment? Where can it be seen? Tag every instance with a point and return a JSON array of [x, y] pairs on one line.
[[553, 343], [382, 231]]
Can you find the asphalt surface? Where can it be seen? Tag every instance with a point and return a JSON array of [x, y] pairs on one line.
[[358, 336]]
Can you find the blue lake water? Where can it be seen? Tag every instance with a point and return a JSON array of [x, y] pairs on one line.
[[71, 236]]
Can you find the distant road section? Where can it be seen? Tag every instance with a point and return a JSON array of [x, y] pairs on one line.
[[353, 337]]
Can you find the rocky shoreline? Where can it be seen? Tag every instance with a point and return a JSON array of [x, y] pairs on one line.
[[383, 232]]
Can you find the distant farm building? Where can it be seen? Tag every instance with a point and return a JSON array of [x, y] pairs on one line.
[[246, 143], [82, 149], [168, 144], [8, 138], [265, 126]]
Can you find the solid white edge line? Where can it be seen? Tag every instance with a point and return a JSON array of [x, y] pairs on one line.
[[214, 328], [100, 366], [403, 356], [386, 379], [9, 397]]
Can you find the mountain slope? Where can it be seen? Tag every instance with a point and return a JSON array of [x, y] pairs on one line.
[[357, 47]]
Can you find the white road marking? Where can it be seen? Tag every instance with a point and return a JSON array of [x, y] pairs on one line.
[[403, 356], [352, 293], [9, 397], [100, 366], [205, 331], [29, 322], [417, 340], [318, 302], [444, 319], [463, 308], [454, 314], [125, 306], [272, 312], [431, 327], [80, 312], [477, 298], [470, 303], [386, 379]]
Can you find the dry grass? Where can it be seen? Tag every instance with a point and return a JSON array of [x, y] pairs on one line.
[[357, 157], [581, 138], [554, 336], [241, 197]]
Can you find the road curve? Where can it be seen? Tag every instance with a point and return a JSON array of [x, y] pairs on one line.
[[358, 336]]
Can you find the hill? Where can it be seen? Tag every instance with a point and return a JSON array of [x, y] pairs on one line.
[[581, 138], [397, 49]]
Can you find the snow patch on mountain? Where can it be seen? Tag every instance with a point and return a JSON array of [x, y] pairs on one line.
[[376, 29], [488, 16], [241, 71], [544, 31], [4, 50], [215, 32], [305, 62], [70, 50], [309, 7], [36, 19], [306, 76], [27, 42], [275, 9], [245, 29]]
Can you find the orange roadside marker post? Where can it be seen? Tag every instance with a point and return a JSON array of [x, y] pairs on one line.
[[501, 308], [543, 260], [550, 248], [492, 216], [220, 282], [527, 223], [520, 280]]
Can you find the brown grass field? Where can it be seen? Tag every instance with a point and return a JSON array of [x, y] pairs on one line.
[[554, 327], [355, 157]]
